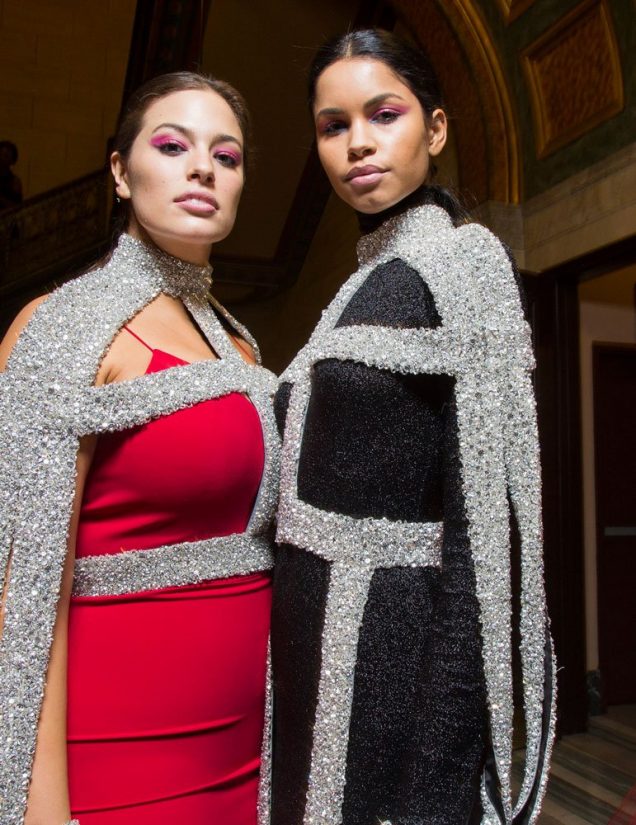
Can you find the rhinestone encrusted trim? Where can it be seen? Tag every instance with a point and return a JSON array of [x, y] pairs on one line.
[[171, 565], [47, 402], [366, 542], [265, 778], [484, 343]]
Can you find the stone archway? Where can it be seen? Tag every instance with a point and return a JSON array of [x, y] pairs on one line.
[[471, 75]]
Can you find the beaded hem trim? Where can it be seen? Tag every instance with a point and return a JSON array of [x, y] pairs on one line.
[[484, 343], [47, 401]]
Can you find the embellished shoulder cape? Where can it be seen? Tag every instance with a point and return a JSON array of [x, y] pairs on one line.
[[48, 401], [340, 663]]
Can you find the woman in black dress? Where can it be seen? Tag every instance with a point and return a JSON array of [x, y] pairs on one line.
[[409, 437]]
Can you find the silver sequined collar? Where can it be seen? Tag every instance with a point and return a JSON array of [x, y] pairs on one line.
[[421, 218], [171, 275]]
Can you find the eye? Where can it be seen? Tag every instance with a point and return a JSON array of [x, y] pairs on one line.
[[169, 146], [332, 127], [227, 158], [385, 116]]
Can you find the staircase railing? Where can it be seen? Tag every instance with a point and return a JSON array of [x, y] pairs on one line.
[[47, 236]]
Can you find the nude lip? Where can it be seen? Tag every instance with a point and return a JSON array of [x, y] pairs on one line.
[[199, 203], [361, 176]]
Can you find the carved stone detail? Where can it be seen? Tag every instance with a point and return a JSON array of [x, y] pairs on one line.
[[574, 76], [462, 50]]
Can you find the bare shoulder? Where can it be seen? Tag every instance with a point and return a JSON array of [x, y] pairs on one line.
[[245, 349], [15, 330]]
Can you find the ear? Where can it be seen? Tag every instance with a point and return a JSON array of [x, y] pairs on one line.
[[437, 131], [120, 173]]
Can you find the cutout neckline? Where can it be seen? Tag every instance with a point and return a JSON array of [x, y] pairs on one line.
[[155, 350]]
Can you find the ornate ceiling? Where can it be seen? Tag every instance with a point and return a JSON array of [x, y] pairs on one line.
[[537, 90]]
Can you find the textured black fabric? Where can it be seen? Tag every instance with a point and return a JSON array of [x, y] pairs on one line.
[[371, 445], [441, 781], [392, 650], [300, 587], [281, 402], [393, 295]]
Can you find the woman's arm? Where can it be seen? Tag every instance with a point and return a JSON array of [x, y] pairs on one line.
[[14, 331], [48, 800]]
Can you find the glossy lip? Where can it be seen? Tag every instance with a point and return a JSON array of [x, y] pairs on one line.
[[201, 203], [364, 178], [363, 172]]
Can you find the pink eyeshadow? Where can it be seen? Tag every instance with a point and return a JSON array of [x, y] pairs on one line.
[[161, 140]]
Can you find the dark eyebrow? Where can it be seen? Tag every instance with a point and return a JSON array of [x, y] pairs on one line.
[[329, 112], [368, 104], [220, 138], [381, 98]]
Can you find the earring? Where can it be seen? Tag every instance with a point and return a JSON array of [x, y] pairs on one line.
[[117, 199]]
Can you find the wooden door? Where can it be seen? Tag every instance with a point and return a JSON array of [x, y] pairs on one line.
[[553, 314], [615, 475]]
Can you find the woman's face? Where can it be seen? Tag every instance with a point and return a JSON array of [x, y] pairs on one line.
[[373, 140], [184, 174]]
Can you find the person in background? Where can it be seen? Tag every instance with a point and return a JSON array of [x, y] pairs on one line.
[[10, 183]]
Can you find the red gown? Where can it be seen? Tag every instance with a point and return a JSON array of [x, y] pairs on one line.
[[166, 687]]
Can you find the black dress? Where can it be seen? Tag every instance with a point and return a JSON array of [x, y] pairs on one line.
[[383, 708]]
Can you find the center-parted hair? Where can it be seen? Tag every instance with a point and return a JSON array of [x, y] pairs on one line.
[[166, 84], [131, 119], [413, 67]]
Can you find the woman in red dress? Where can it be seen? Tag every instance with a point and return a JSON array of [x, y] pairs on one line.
[[147, 652]]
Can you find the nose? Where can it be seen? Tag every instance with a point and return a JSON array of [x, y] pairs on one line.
[[202, 168], [361, 140]]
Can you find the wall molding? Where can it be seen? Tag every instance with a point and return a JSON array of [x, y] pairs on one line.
[[511, 9], [587, 211]]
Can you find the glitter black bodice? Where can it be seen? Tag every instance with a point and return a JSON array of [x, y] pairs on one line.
[[372, 442]]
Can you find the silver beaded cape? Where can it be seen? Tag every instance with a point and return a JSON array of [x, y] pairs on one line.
[[484, 343], [47, 403]]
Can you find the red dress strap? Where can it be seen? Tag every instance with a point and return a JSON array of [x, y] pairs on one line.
[[141, 340]]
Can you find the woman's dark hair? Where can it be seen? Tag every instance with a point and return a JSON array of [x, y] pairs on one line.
[[131, 119], [412, 65]]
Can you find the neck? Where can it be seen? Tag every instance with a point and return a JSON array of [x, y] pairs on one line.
[[197, 254], [424, 194], [370, 222]]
